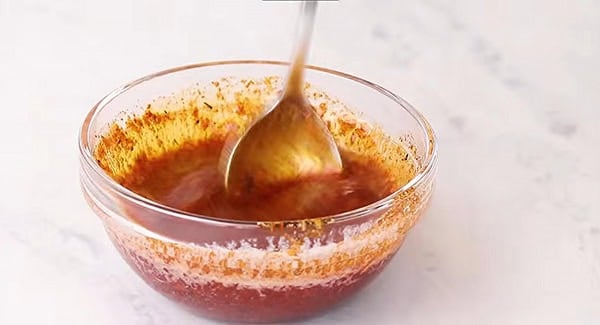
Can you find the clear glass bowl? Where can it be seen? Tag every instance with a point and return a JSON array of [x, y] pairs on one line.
[[253, 271]]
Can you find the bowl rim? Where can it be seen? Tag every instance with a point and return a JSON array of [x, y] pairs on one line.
[[87, 159]]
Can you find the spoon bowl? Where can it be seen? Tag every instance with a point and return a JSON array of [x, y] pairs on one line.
[[289, 142]]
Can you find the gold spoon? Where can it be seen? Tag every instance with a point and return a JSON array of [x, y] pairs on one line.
[[289, 141]]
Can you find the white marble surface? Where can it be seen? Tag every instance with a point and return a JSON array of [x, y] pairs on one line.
[[512, 88]]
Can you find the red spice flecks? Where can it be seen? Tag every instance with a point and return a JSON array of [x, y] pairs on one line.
[[256, 303], [262, 292]]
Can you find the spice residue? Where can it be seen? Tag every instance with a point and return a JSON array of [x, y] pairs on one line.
[[170, 154]]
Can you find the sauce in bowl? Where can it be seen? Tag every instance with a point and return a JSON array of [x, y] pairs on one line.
[[297, 260]]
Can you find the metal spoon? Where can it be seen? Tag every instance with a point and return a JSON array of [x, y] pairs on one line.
[[289, 141]]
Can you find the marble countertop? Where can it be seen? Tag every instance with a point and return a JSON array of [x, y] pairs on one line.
[[511, 87]]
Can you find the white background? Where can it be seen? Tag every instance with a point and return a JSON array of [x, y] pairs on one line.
[[512, 88]]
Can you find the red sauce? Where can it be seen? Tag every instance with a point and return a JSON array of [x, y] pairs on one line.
[[237, 304], [188, 179], [155, 156]]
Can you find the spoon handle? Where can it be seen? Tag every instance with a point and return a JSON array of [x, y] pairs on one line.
[[295, 80]]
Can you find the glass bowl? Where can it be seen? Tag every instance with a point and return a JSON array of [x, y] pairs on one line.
[[258, 271]]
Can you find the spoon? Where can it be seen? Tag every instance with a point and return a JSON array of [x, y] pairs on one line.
[[289, 141]]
